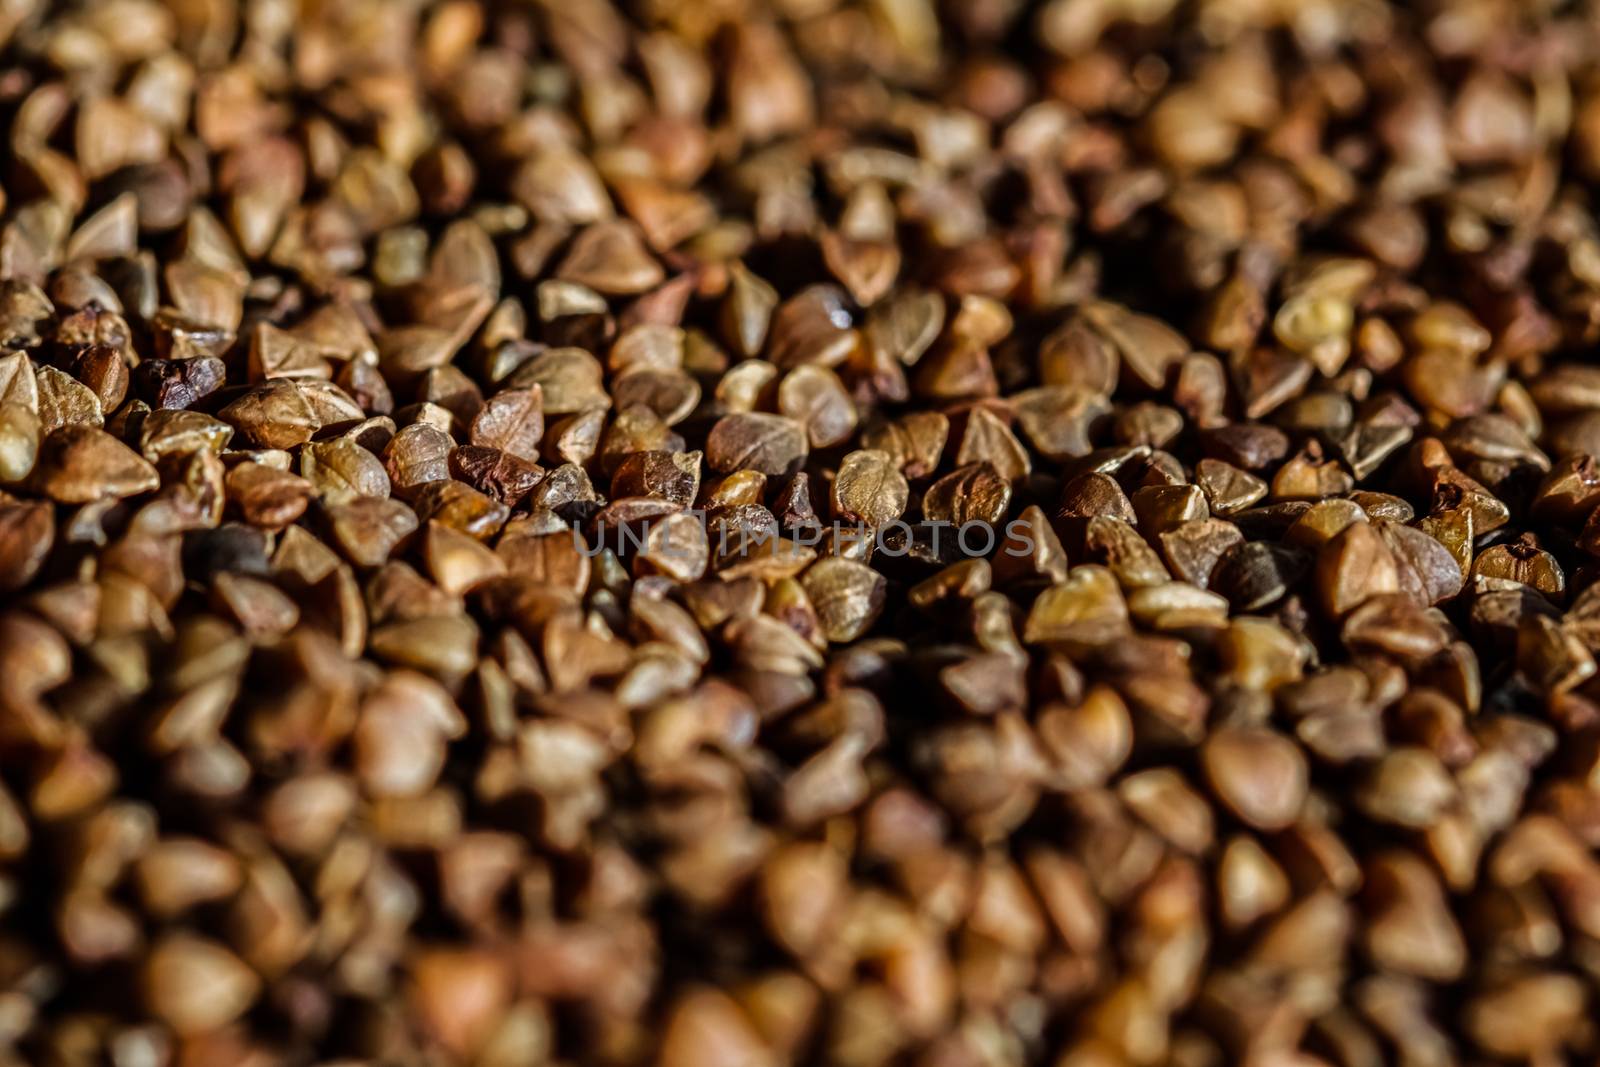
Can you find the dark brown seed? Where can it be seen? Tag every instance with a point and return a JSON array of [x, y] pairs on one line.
[[501, 475], [1255, 574], [1030, 550], [671, 476], [105, 372]]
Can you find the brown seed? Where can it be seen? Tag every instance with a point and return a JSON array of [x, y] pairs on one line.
[[19, 441], [975, 493], [266, 497], [368, 529], [1353, 566], [747, 310], [813, 326], [553, 558], [670, 392], [27, 534], [461, 996], [1087, 608], [848, 597], [1529, 1016], [457, 562], [445, 647], [671, 476], [65, 401], [1523, 562], [904, 325], [1228, 489], [815, 397], [1411, 929], [260, 608], [1147, 346], [868, 489], [461, 507], [179, 873], [575, 439], [78, 464], [1322, 522], [747, 386], [610, 257], [1193, 549], [1060, 420], [569, 380], [195, 985], [416, 455], [341, 470], [707, 1029], [512, 421], [915, 442], [861, 250], [1261, 776], [768, 444], [1408, 787], [275, 414], [560, 185], [275, 353], [867, 268], [987, 439], [1094, 494], [677, 546], [1164, 507]]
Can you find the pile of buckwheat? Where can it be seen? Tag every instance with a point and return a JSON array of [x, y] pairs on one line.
[[760, 533]]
